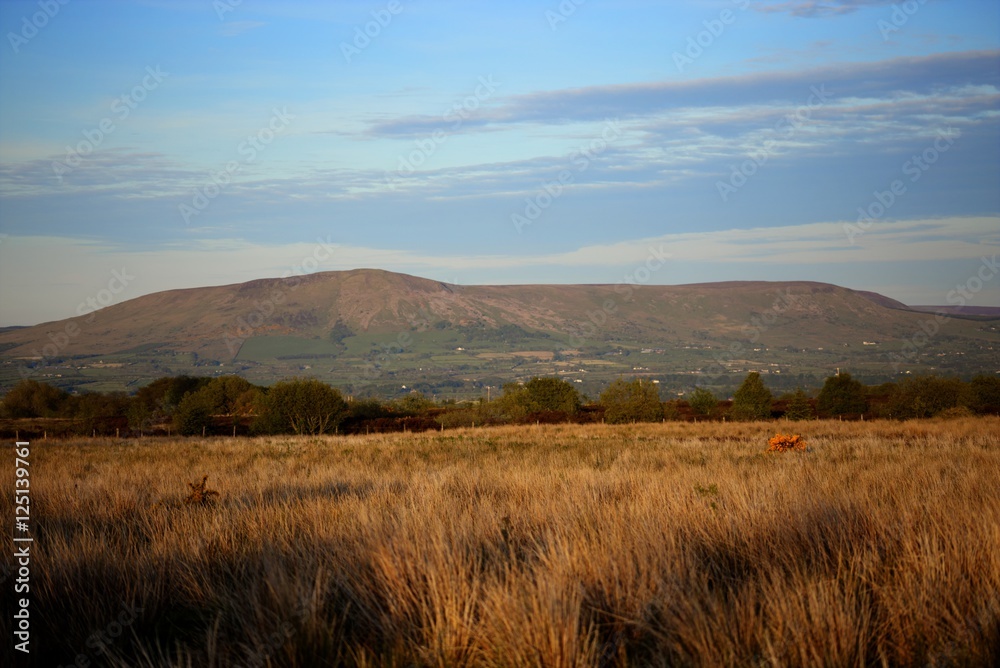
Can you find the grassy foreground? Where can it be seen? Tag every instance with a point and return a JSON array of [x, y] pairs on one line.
[[673, 544]]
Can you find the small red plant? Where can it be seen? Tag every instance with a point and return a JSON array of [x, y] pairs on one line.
[[786, 443]]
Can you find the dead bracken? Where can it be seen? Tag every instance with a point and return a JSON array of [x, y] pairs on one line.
[[199, 495]]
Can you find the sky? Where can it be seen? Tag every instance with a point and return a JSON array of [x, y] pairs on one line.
[[164, 144]]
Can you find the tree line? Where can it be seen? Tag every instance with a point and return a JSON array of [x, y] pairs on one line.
[[189, 405]]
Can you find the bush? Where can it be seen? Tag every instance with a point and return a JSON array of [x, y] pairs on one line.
[[636, 400], [786, 443]]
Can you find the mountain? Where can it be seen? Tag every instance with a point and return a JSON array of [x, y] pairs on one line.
[[369, 328]]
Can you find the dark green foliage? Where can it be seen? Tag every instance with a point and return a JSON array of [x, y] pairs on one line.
[[300, 406], [367, 409], [535, 396], [752, 400], [798, 406], [413, 404], [636, 400], [193, 415], [842, 396], [551, 394], [926, 396], [504, 334], [163, 395], [96, 411], [340, 332], [703, 402], [230, 395], [140, 416], [31, 399], [984, 394]]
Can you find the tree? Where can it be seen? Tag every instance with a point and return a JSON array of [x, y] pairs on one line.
[[985, 394], [232, 396], [30, 398], [163, 395], [301, 406], [414, 403], [140, 416], [703, 402], [752, 400], [94, 411], [551, 394], [925, 396], [636, 400], [842, 395], [798, 406], [193, 414]]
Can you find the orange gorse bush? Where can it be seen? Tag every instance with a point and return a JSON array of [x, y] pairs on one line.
[[786, 442]]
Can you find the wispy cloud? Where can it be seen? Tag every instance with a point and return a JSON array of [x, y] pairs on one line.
[[883, 79], [235, 28], [818, 8]]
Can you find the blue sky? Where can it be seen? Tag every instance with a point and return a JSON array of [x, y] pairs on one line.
[[183, 143]]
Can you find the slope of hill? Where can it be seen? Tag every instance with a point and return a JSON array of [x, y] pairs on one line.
[[376, 327]]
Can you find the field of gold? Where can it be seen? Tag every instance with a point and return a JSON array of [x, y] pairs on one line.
[[653, 544]]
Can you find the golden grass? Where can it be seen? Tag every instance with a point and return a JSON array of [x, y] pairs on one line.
[[673, 544]]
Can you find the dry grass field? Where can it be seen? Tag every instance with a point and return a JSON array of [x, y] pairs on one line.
[[674, 544]]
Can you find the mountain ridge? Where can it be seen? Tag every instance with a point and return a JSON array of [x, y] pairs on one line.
[[352, 317]]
